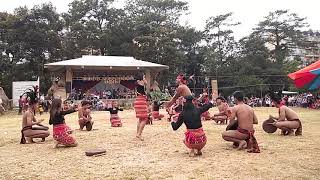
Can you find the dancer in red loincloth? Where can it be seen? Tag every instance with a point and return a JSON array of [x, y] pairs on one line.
[[176, 109], [195, 138], [224, 111], [243, 136], [31, 127], [288, 119], [155, 111], [204, 99], [181, 91], [85, 119], [114, 118], [61, 132]]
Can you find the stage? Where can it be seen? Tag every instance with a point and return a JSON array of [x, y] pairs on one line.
[[90, 74]]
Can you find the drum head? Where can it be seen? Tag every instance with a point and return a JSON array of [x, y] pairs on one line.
[[89, 126], [268, 127], [233, 125]]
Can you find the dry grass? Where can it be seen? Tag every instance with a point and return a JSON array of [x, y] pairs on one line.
[[162, 155]]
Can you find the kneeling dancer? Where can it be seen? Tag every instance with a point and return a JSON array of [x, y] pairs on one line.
[[31, 128], [243, 136], [224, 111], [195, 138], [85, 118], [155, 110], [204, 99], [114, 118], [61, 132], [176, 109], [288, 119]]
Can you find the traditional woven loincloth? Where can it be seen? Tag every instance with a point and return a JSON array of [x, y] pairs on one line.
[[61, 133], [252, 143], [156, 115], [115, 120], [195, 138]]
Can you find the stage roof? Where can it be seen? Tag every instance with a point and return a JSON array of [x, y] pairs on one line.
[[101, 62]]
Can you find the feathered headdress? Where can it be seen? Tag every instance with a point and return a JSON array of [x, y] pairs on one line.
[[276, 97], [32, 95]]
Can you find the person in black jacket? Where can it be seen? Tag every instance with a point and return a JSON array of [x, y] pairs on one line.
[[61, 132], [195, 138]]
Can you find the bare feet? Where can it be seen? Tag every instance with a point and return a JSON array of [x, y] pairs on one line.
[[235, 145], [30, 141], [290, 132], [286, 132], [43, 139], [56, 146], [198, 153], [242, 145], [191, 153], [139, 138], [72, 145]]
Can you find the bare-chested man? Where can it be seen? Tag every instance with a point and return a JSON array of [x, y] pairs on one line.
[[288, 120], [29, 120], [244, 135], [182, 90], [85, 118], [224, 111]]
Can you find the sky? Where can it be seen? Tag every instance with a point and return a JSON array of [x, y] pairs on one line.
[[248, 12]]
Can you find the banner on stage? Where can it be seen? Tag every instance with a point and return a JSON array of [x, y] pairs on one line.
[[214, 85], [109, 80], [20, 87]]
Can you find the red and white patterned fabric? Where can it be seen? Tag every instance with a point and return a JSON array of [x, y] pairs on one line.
[[61, 133]]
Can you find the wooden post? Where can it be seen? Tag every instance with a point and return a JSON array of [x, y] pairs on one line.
[[68, 84], [148, 78], [214, 86]]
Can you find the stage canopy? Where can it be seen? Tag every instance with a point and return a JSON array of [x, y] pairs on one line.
[[105, 63], [88, 72]]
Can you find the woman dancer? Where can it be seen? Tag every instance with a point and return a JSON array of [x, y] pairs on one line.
[[141, 106], [114, 118], [61, 132], [195, 138]]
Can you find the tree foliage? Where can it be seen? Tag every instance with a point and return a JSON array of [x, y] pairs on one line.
[[282, 30], [149, 30]]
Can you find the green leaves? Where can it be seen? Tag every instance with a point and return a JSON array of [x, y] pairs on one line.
[[220, 40], [282, 30], [159, 96], [30, 39], [149, 30]]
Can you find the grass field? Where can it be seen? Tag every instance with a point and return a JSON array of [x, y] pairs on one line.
[[162, 155]]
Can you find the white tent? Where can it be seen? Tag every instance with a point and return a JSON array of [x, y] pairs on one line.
[[289, 93], [111, 62]]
